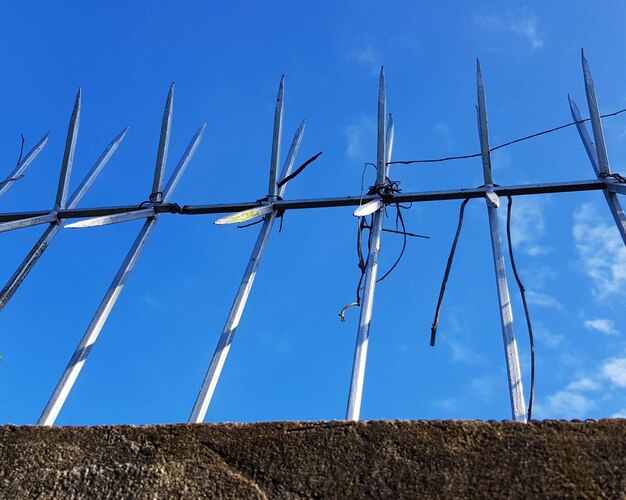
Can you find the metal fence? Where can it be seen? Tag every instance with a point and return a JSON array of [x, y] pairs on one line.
[[266, 211]]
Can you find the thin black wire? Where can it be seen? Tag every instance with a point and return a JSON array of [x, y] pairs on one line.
[[299, 169], [21, 151], [528, 322], [446, 274], [404, 240], [500, 146], [19, 160]]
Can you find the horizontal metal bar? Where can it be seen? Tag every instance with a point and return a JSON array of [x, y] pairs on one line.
[[616, 187], [341, 201], [456, 194]]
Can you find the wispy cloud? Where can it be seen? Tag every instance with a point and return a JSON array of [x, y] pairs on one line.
[[549, 339], [601, 252], [602, 325], [543, 300], [366, 56], [583, 384], [524, 27], [528, 225], [567, 404], [357, 134], [463, 354], [615, 371], [599, 388]]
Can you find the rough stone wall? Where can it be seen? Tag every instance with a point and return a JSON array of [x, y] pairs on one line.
[[378, 459]]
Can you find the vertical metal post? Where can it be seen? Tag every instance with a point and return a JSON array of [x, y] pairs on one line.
[[597, 156], [360, 354], [39, 248], [516, 392], [23, 165], [68, 154], [201, 405], [79, 357]]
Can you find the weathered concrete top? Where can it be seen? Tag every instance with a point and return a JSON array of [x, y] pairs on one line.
[[403, 459]]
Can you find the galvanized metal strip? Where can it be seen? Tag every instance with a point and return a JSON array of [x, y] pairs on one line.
[[207, 389], [18, 172], [79, 357], [75, 365], [355, 395], [31, 259], [31, 221], [68, 154], [516, 393]]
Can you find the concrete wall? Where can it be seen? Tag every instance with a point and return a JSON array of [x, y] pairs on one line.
[[433, 459]]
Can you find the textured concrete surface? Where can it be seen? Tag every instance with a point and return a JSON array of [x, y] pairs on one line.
[[403, 459]]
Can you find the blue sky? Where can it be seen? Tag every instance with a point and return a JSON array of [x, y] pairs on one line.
[[292, 357]]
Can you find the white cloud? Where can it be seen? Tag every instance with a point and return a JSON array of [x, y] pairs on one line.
[[566, 404], [528, 225], [548, 338], [602, 325], [601, 252], [615, 371], [524, 27], [357, 134], [583, 384], [619, 414], [463, 354], [542, 300], [367, 56]]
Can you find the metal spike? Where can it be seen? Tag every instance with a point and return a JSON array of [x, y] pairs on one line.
[[107, 220], [596, 122], [355, 396], [516, 393], [40, 247], [201, 405], [23, 165], [584, 135], [245, 215], [389, 142], [276, 139], [369, 208], [164, 142], [381, 156], [182, 164], [68, 155], [612, 200], [79, 357], [96, 169], [291, 156]]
